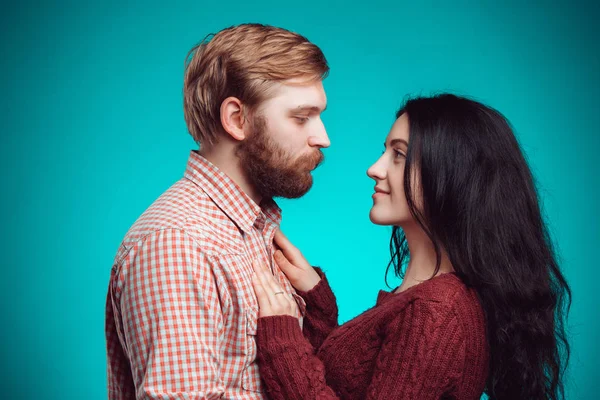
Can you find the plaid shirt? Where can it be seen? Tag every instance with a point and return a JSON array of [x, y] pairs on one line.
[[181, 311]]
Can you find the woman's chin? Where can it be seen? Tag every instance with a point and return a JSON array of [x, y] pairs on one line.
[[386, 220], [378, 219]]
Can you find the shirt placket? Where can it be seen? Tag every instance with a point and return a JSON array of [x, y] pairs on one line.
[[262, 242]]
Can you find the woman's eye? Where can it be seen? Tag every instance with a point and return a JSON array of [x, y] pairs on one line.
[[398, 154]]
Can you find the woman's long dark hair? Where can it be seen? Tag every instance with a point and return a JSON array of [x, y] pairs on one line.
[[480, 206]]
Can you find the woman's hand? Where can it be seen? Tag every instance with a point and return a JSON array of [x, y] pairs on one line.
[[272, 299], [300, 273]]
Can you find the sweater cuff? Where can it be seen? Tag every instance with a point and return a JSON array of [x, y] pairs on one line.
[[279, 328], [321, 296]]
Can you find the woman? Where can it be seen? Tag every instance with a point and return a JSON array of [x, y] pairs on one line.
[[481, 307]]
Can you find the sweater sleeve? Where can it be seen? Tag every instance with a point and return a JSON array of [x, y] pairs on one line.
[[287, 361], [421, 357], [422, 354], [321, 312]]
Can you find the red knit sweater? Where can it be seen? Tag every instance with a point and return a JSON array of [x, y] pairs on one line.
[[427, 342]]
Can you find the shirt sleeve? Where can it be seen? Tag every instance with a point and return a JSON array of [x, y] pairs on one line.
[[421, 358], [172, 323]]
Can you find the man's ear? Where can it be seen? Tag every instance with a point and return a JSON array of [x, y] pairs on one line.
[[233, 118]]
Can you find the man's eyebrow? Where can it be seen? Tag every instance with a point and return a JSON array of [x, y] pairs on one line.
[[308, 107]]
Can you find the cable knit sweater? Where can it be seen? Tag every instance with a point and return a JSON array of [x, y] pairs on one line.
[[427, 342]]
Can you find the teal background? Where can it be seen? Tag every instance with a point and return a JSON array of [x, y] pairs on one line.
[[93, 131]]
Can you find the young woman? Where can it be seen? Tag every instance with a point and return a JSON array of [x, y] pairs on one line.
[[482, 303]]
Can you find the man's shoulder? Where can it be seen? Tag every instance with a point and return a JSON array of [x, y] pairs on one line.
[[189, 212]]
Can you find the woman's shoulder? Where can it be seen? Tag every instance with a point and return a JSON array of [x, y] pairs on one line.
[[447, 288], [446, 294]]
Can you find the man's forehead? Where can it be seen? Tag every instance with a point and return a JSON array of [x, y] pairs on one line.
[[296, 95]]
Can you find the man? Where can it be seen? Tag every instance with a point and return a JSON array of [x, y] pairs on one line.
[[181, 313]]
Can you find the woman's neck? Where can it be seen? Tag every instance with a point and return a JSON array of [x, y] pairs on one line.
[[422, 263]]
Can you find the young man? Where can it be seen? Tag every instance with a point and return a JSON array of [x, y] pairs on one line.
[[181, 313]]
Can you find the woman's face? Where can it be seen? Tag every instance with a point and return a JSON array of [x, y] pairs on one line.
[[389, 202]]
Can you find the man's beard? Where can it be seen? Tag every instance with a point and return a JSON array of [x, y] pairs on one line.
[[270, 168]]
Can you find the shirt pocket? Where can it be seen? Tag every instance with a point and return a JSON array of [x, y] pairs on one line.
[[250, 375]]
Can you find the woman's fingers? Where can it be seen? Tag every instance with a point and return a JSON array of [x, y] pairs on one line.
[[274, 300], [280, 300], [292, 272], [291, 252], [302, 278], [288, 249], [262, 296], [281, 240]]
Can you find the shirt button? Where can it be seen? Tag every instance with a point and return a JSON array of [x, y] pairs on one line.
[[259, 223]]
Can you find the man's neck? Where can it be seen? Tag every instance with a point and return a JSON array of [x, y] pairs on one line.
[[223, 157]]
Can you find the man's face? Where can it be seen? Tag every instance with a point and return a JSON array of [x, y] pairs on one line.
[[284, 140]]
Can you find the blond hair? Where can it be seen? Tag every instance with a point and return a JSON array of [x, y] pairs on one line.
[[243, 61]]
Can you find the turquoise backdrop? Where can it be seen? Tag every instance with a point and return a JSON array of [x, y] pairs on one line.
[[93, 131]]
